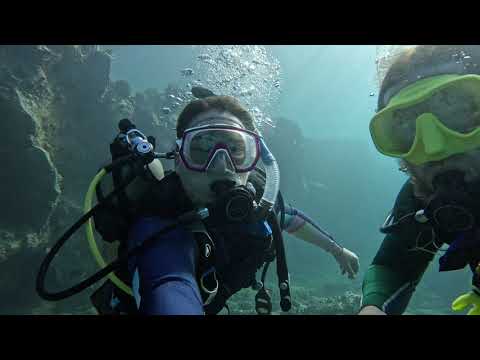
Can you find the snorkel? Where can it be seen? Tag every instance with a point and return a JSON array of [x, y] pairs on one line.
[[272, 183]]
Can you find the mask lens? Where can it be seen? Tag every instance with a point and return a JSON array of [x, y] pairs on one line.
[[200, 146], [456, 108], [456, 105]]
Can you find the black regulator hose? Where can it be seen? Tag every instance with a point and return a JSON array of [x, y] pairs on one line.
[[42, 273], [282, 269], [281, 204], [141, 151], [114, 265]]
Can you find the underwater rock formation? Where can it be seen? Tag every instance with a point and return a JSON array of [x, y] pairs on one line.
[[60, 112]]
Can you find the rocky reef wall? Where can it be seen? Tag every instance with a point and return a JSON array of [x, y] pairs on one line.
[[59, 111]]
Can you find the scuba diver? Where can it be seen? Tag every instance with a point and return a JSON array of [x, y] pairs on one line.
[[210, 224], [428, 116]]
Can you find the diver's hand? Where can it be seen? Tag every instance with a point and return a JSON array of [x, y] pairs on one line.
[[348, 262], [465, 300], [371, 310]]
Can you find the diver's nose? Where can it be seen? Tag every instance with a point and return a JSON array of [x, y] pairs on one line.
[[221, 164]]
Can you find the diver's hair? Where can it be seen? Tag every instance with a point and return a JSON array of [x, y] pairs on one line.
[[221, 103], [406, 63]]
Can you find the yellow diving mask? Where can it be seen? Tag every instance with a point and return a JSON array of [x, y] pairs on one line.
[[430, 120]]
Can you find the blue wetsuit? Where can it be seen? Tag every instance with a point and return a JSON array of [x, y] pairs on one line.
[[163, 277]]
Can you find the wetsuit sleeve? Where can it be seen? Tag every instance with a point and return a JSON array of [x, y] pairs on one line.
[[396, 270], [399, 264], [302, 226], [163, 276]]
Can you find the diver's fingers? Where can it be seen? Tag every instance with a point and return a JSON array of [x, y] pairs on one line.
[[350, 271], [461, 302], [356, 265]]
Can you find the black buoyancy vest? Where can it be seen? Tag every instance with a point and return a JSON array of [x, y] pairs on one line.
[[407, 203], [237, 253], [464, 247]]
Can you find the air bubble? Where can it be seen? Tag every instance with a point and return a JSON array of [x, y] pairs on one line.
[[187, 72], [203, 57], [250, 73]]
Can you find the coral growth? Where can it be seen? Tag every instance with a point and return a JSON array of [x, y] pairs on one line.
[[305, 301]]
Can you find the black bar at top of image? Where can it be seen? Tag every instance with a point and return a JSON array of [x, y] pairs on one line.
[[257, 26]]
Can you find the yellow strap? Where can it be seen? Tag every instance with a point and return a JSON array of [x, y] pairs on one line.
[[91, 238]]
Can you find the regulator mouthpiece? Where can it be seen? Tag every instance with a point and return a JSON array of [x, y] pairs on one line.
[[233, 203]]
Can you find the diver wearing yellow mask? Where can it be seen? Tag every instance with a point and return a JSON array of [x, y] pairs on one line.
[[429, 117]]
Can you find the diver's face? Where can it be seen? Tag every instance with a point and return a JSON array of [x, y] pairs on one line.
[[468, 163], [198, 184], [456, 109]]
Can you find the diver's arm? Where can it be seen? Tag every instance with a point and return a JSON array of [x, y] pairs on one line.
[[303, 227], [390, 281], [163, 276]]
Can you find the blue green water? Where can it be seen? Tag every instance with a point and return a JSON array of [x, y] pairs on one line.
[[329, 93]]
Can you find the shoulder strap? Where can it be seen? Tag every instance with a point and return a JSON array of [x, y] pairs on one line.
[[404, 210], [406, 202]]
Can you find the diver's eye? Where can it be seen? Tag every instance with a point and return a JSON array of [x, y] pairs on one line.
[[404, 127], [404, 124], [237, 151]]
